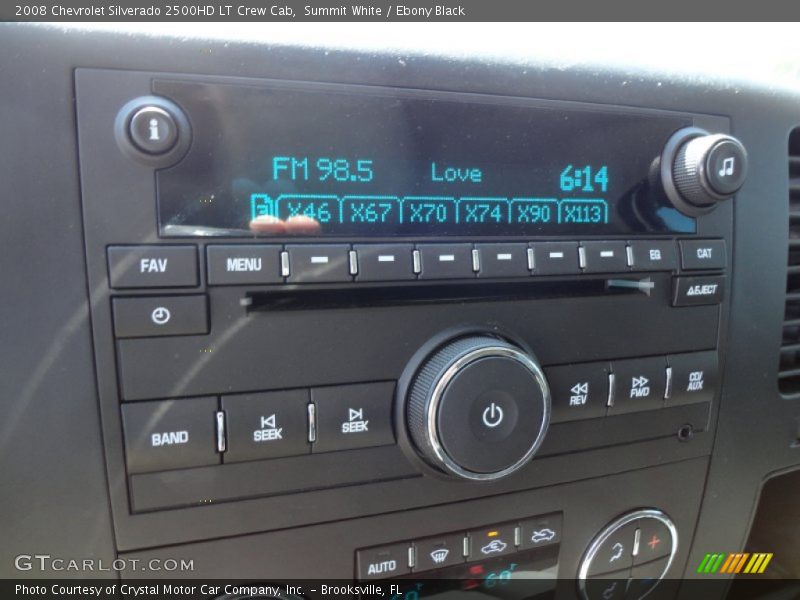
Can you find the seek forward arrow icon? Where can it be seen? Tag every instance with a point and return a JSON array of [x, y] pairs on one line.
[[356, 415]]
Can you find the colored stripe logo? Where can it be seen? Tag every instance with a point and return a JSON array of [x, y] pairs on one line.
[[733, 563]]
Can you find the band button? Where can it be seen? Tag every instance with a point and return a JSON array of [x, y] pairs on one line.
[[169, 434]]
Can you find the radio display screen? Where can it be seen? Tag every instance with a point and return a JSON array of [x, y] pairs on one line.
[[333, 161]]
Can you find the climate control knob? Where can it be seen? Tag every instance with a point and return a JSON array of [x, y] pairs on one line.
[[699, 169], [478, 408]]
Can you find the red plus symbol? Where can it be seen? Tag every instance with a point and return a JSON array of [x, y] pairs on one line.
[[654, 542]]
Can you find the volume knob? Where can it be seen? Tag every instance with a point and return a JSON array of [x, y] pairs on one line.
[[700, 169], [478, 408]]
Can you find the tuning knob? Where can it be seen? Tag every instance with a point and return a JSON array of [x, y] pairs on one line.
[[478, 408], [699, 169]]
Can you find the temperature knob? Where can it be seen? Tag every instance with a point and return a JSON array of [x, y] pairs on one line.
[[699, 169], [478, 408]]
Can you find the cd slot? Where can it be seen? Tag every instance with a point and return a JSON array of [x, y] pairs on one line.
[[308, 298]]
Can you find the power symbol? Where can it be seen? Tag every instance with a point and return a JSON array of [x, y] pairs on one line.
[[492, 415]]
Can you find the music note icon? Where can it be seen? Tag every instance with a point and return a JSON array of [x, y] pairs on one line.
[[727, 167]]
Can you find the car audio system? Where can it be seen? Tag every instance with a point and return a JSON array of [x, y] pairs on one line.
[[328, 289]]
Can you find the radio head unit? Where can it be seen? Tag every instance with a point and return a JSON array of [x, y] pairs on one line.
[[308, 160]]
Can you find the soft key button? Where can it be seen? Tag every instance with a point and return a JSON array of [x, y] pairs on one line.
[[170, 434]]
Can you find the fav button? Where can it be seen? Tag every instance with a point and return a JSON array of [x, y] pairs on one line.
[[639, 384], [267, 425], [170, 434], [578, 391], [386, 561], [703, 254], [353, 416], [152, 266]]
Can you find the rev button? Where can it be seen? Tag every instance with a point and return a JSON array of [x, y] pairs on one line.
[[578, 391], [169, 434]]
